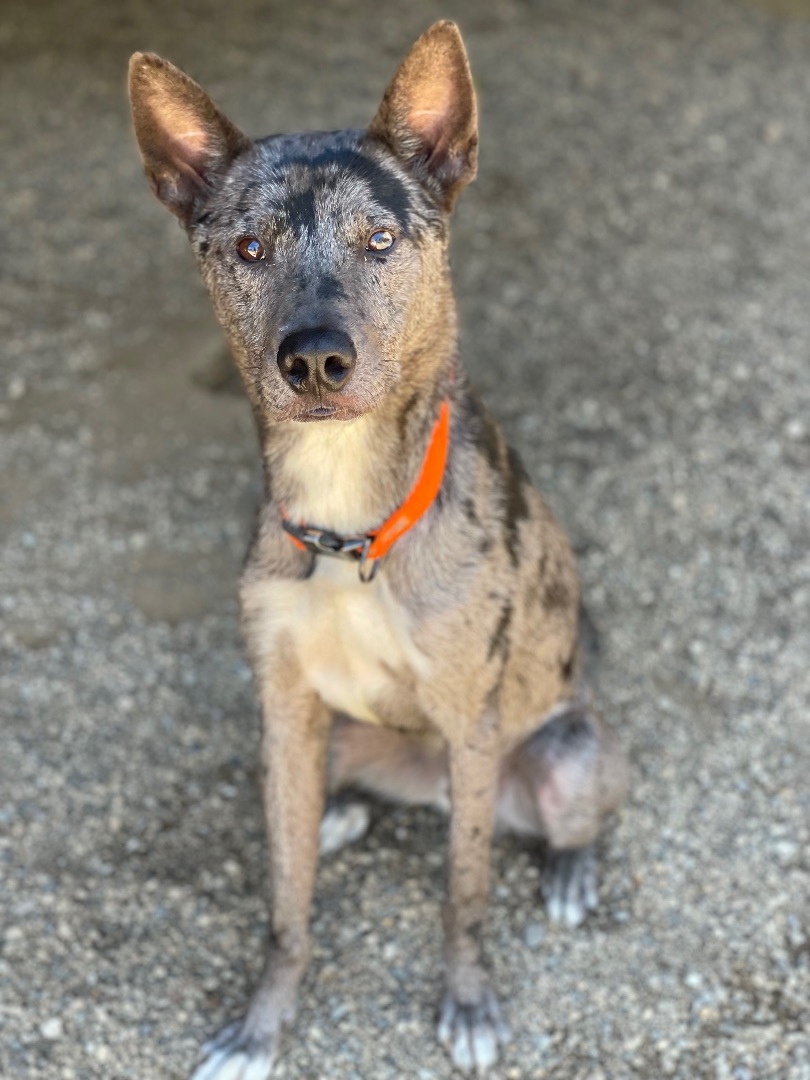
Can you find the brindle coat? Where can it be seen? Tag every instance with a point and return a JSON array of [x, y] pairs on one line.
[[452, 678]]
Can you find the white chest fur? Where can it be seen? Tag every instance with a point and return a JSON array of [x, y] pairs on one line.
[[330, 473], [352, 640]]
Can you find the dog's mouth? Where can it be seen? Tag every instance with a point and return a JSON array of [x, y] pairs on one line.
[[300, 412], [323, 412], [344, 409], [320, 412]]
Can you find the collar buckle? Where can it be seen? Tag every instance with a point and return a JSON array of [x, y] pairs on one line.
[[326, 542]]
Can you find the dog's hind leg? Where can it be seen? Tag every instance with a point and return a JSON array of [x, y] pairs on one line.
[[558, 784], [571, 772]]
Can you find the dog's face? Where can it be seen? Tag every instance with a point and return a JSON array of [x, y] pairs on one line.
[[323, 240], [323, 253]]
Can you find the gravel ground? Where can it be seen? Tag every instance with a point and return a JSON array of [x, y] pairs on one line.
[[634, 276]]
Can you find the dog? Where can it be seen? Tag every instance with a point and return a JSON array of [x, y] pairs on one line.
[[409, 604]]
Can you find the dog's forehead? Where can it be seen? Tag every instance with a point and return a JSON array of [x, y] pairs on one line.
[[300, 180]]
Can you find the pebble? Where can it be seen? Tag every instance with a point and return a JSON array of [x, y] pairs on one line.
[[796, 429], [534, 935], [786, 851], [52, 1029], [17, 388]]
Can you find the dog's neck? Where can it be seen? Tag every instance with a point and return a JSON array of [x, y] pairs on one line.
[[332, 475], [348, 476]]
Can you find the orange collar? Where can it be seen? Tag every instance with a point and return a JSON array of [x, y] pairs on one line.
[[372, 547]]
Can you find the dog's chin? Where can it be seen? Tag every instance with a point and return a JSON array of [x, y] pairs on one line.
[[318, 412], [279, 405]]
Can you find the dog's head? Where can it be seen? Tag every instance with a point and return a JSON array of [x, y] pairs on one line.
[[324, 254]]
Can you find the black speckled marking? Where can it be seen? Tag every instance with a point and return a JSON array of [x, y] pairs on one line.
[[517, 508], [299, 210], [405, 415], [499, 642], [385, 187], [329, 288], [468, 506], [556, 595], [567, 665], [490, 443]]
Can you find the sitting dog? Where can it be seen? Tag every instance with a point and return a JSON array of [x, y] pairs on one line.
[[409, 603]]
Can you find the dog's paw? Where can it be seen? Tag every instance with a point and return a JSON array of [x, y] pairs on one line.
[[345, 821], [472, 1034], [232, 1055], [569, 885]]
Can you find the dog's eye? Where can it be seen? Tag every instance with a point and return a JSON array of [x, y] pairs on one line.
[[250, 249], [381, 240]]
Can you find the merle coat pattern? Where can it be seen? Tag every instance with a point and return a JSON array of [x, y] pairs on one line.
[[453, 678]]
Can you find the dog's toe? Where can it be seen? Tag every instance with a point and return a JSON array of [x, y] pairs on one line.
[[569, 885], [222, 1038], [473, 1034], [232, 1056]]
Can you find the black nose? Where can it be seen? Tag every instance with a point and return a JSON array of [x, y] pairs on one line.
[[319, 359]]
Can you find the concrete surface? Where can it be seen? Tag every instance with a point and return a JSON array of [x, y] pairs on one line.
[[634, 273]]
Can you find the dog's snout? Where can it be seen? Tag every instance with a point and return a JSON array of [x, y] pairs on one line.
[[317, 359]]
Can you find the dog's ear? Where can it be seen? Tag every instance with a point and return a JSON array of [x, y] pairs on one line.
[[428, 114], [184, 139]]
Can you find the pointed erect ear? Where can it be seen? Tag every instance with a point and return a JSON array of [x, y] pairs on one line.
[[184, 139], [428, 115]]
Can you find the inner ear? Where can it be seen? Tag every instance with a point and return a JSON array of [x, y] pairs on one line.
[[428, 115], [185, 141]]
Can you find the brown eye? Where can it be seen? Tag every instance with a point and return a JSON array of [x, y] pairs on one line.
[[250, 249], [381, 240]]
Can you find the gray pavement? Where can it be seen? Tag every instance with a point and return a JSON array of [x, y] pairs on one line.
[[633, 267]]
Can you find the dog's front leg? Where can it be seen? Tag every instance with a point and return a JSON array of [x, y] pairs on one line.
[[295, 731], [470, 1026]]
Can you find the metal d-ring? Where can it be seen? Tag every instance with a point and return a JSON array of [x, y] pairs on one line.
[[367, 568]]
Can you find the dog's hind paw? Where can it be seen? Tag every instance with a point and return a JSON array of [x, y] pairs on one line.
[[345, 820], [233, 1056], [569, 885], [472, 1034]]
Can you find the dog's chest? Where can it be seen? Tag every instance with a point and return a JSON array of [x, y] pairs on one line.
[[353, 641]]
